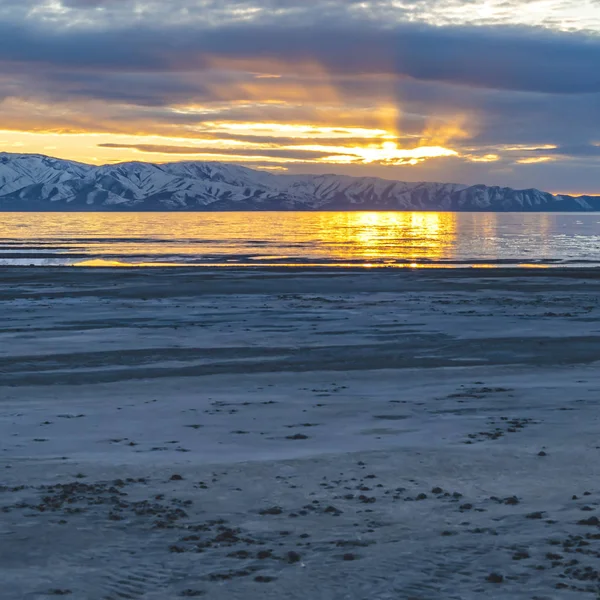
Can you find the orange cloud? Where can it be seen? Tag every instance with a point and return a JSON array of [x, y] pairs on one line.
[[266, 115]]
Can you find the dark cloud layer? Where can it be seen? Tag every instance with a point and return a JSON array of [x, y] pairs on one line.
[[511, 59]]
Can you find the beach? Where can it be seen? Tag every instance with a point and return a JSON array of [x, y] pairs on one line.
[[334, 434]]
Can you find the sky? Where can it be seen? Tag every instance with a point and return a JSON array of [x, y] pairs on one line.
[[500, 92]]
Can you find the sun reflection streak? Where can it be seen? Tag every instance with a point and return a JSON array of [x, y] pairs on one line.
[[422, 236]]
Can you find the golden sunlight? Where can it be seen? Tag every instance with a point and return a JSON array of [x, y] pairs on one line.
[[535, 159], [483, 159], [386, 153], [261, 113]]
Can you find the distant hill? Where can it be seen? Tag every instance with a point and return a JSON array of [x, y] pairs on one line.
[[31, 182]]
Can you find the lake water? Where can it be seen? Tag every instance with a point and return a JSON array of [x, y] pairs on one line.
[[334, 239]]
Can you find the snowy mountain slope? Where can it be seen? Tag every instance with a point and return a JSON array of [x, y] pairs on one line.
[[36, 182], [18, 171]]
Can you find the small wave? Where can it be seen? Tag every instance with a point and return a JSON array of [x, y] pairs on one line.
[[283, 239]]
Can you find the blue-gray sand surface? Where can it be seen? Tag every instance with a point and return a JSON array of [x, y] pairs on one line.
[[324, 434]]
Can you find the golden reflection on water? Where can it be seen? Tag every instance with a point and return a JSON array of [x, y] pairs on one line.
[[379, 235], [101, 263], [346, 239]]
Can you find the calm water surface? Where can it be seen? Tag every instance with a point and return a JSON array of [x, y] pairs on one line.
[[335, 239]]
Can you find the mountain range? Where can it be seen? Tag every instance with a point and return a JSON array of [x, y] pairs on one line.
[[31, 182]]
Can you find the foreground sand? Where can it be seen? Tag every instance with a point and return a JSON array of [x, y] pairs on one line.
[[287, 434]]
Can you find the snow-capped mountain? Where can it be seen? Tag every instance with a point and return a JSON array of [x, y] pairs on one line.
[[37, 183]]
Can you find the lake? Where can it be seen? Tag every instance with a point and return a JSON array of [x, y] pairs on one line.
[[344, 239]]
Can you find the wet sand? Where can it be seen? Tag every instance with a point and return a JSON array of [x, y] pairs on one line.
[[299, 434]]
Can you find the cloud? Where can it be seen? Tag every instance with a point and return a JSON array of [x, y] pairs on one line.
[[90, 3], [254, 153], [552, 14], [579, 150], [523, 59]]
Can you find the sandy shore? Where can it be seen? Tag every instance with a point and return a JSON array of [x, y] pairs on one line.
[[325, 435]]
